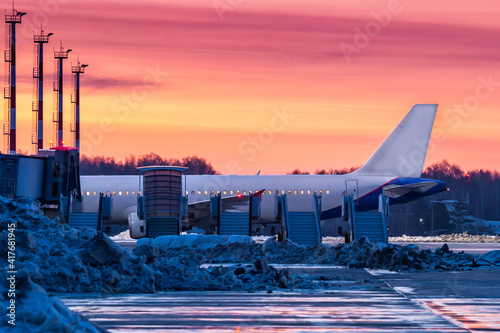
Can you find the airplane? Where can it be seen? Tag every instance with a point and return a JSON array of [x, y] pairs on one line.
[[394, 170]]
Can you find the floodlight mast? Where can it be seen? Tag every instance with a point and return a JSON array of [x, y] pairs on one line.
[[59, 56], [75, 99], [9, 126], [37, 105]]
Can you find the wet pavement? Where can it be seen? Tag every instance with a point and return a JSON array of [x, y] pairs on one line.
[[360, 301]]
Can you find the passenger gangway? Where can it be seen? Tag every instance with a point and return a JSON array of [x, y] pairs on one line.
[[300, 227], [162, 205], [372, 225]]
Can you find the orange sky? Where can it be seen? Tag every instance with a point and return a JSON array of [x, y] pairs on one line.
[[228, 69]]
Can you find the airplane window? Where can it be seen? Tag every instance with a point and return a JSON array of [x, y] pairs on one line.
[[238, 192], [218, 192], [120, 193], [225, 192], [321, 192], [289, 192], [114, 192], [244, 192], [315, 191], [308, 191], [88, 193], [276, 192], [94, 193], [192, 192], [126, 192], [139, 192], [100, 192], [295, 192], [199, 192], [282, 191], [206, 192], [327, 191], [231, 192], [212, 192], [133, 192], [270, 192], [301, 191], [250, 192], [187, 192], [82, 192]]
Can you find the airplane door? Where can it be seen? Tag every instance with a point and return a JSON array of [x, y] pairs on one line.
[[351, 187]]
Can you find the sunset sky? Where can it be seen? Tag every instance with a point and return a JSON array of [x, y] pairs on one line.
[[270, 85]]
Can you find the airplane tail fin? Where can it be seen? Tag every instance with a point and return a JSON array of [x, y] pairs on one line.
[[402, 154]]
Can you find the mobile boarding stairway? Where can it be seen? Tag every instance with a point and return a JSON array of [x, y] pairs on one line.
[[72, 210], [232, 221], [300, 227], [372, 225]]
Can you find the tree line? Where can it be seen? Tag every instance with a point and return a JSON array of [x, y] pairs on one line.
[[101, 165]]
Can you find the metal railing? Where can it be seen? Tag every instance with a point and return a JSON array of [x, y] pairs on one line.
[[350, 211], [7, 56], [6, 92], [284, 216], [384, 210], [8, 187], [77, 69], [317, 216], [13, 18], [61, 55], [41, 38]]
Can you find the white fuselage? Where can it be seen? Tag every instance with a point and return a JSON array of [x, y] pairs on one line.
[[300, 189]]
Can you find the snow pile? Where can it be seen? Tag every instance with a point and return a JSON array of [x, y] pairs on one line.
[[194, 241], [359, 254], [124, 235], [492, 257], [363, 254], [63, 259], [35, 311], [453, 238], [331, 239]]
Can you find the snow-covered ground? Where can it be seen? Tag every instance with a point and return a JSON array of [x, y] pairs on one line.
[[53, 257], [452, 238]]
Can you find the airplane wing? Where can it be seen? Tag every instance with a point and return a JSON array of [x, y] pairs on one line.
[[396, 191], [201, 209]]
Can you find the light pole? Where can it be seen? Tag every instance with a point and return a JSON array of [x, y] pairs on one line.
[[432, 216]]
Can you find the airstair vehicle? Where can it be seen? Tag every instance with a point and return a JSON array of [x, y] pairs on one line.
[[235, 222], [372, 225], [300, 227]]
